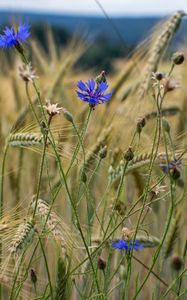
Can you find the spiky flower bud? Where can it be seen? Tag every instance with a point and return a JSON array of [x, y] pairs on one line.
[[101, 263], [101, 77], [129, 154], [103, 152], [178, 58], [176, 262]]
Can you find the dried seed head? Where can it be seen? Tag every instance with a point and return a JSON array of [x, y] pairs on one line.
[[158, 189], [178, 58], [101, 263], [27, 73], [176, 262], [52, 109], [126, 234], [170, 84]]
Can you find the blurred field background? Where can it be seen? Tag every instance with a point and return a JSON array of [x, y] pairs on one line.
[[61, 56]]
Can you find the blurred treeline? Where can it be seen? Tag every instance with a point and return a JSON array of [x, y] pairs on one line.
[[100, 51]]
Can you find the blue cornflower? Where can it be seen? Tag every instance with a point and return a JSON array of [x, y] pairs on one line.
[[125, 245], [12, 37], [93, 92], [174, 165]]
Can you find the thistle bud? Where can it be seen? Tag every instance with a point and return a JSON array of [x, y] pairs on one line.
[[101, 263], [178, 58], [129, 155], [166, 126], [101, 77], [33, 276], [103, 152], [176, 262]]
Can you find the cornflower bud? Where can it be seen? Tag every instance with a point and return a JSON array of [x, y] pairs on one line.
[[101, 77], [140, 124], [178, 58], [68, 116], [33, 276], [176, 262], [101, 263], [129, 155], [103, 152]]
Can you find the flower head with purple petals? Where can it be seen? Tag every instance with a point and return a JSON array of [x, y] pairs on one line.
[[125, 245], [92, 92], [12, 37]]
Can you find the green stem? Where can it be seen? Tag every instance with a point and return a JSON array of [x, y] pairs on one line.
[[31, 104], [41, 166], [46, 265]]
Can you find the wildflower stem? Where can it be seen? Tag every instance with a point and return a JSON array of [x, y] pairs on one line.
[[81, 139], [152, 272], [47, 268], [30, 103], [42, 165], [170, 213], [76, 215], [156, 142]]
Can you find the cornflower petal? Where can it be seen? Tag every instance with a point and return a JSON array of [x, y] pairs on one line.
[[125, 245], [91, 85], [23, 32], [102, 87], [82, 86]]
